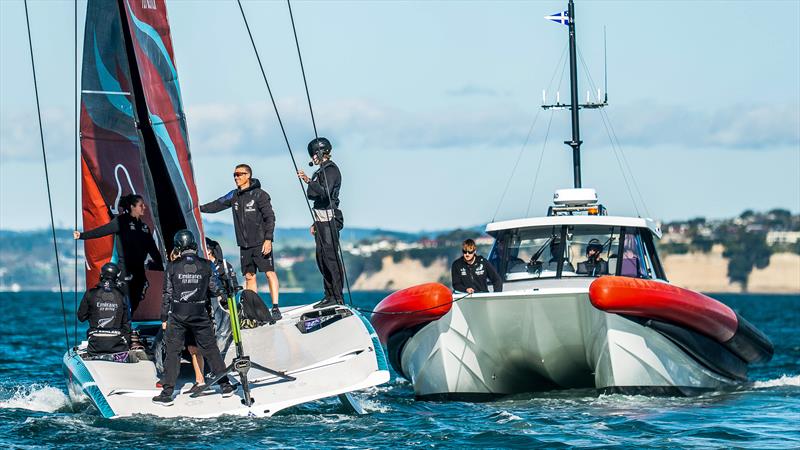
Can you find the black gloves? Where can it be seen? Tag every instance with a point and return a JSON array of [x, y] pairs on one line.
[[276, 313]]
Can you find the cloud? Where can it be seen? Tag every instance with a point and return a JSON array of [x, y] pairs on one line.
[[473, 90], [251, 128]]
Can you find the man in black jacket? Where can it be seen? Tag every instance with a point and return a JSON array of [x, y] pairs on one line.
[[188, 285], [470, 272], [254, 223], [105, 308], [323, 190]]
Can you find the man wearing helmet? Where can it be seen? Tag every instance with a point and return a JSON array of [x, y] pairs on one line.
[[188, 285], [106, 309], [254, 223], [323, 190], [594, 265]]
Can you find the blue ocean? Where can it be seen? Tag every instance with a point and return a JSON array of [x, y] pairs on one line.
[[35, 410]]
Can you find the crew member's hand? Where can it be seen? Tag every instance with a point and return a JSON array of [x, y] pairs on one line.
[[312, 230], [76, 234], [302, 175], [266, 248], [163, 325], [470, 291]]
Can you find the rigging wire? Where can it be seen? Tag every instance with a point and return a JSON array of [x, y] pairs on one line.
[[615, 141], [46, 176], [544, 144], [340, 257], [527, 139], [75, 169], [539, 166]]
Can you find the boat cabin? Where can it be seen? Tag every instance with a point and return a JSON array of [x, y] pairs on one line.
[[556, 246]]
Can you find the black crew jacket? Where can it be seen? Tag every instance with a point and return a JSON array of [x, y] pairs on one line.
[[328, 172], [188, 280], [135, 243], [106, 309], [475, 275], [253, 217]]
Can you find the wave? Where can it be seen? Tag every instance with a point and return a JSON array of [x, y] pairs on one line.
[[36, 397], [784, 380]]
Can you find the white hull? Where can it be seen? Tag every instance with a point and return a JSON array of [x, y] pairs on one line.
[[545, 335], [342, 357]]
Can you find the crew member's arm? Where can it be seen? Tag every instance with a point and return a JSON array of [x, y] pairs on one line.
[[83, 309], [152, 249], [103, 230], [264, 204], [494, 277], [214, 288], [232, 275], [220, 204], [458, 282], [316, 189]]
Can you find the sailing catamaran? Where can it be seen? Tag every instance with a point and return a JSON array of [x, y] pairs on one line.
[[134, 140], [616, 326]]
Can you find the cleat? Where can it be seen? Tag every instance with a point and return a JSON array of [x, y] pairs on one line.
[[163, 399]]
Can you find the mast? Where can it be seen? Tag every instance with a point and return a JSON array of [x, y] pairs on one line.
[[575, 143]]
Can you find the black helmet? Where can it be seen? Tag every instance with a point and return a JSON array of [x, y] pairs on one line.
[[594, 244], [215, 249], [319, 145], [183, 240], [109, 271]]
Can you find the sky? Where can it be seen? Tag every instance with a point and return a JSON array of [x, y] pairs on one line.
[[433, 107]]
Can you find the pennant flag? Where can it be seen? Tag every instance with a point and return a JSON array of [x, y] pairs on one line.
[[562, 18]]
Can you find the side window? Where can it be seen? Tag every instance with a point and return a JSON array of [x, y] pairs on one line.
[[634, 261]]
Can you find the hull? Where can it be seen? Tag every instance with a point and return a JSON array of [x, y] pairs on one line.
[[547, 337], [342, 357]]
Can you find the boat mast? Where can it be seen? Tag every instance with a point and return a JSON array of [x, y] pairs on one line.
[[575, 143]]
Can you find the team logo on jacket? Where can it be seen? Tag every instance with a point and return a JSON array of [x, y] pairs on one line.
[[236, 205], [185, 296], [479, 270], [463, 272], [250, 206]]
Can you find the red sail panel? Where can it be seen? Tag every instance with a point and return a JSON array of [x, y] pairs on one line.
[[155, 62], [111, 144]]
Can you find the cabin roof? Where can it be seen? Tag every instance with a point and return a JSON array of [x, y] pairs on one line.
[[549, 221]]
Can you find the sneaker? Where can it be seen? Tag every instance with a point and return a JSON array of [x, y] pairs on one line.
[[228, 390], [326, 302], [163, 399], [276, 313], [197, 388]]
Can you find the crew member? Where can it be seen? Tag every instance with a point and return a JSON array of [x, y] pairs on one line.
[[134, 244], [594, 265], [254, 222], [323, 190], [188, 284], [105, 308], [470, 272], [219, 305]]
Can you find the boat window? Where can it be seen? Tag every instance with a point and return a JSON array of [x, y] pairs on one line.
[[590, 250], [529, 253], [635, 261]]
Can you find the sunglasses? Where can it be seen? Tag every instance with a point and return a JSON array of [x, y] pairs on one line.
[[239, 174], [467, 252]]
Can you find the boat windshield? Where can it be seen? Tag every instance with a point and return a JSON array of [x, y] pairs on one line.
[[575, 251]]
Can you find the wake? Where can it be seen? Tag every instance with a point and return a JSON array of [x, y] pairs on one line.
[[784, 380], [36, 397]]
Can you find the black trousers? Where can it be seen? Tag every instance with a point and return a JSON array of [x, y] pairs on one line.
[[189, 318], [326, 237], [137, 286]]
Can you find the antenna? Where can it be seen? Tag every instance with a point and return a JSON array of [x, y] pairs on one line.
[[605, 67]]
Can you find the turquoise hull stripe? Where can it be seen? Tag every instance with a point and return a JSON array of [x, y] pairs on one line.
[[76, 366], [380, 356]]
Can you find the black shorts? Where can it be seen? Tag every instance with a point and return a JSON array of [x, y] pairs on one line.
[[251, 259]]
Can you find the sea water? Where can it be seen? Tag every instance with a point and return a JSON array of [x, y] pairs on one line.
[[35, 410]]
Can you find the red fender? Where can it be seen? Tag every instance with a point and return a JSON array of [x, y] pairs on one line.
[[662, 301], [418, 304]]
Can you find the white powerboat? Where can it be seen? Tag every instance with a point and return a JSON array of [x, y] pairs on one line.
[[563, 322]]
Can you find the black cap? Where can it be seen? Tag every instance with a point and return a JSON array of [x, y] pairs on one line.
[[109, 271], [319, 145], [183, 240]]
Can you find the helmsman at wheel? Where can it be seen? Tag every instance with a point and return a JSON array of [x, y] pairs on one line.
[[323, 190]]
